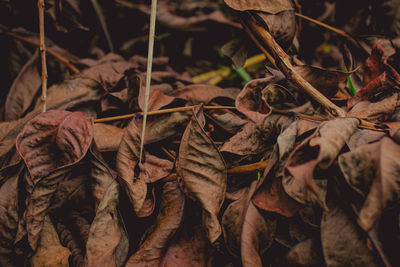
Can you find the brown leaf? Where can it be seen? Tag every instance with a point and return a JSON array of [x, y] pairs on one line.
[[154, 168], [203, 173], [168, 221], [372, 171], [256, 237], [282, 26], [50, 144], [306, 253], [157, 99], [375, 110], [108, 74], [164, 126], [127, 159], [23, 90], [319, 150], [50, 252], [272, 7], [190, 247], [343, 244], [251, 102], [327, 82], [107, 137], [270, 195], [104, 246], [9, 193], [253, 139], [203, 93], [172, 21]]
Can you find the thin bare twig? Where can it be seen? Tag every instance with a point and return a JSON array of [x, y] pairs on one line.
[[43, 54], [324, 25], [159, 112], [258, 166], [100, 16], [48, 50]]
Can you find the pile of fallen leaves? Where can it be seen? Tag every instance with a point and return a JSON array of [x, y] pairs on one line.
[[245, 174]]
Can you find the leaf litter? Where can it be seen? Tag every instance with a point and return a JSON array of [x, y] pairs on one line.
[[234, 172]]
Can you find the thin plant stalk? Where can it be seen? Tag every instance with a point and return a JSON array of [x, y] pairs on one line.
[[42, 48]]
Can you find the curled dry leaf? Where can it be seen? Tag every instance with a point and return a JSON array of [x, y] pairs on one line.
[[256, 237], [203, 173], [250, 101], [319, 150], [372, 171], [49, 145], [272, 7], [168, 221], [105, 245], [127, 159], [282, 26], [50, 252]]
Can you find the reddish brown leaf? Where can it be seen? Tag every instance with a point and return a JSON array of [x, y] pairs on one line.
[[50, 144]]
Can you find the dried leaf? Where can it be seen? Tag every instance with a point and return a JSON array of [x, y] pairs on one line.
[[203, 93], [319, 150], [107, 137], [251, 102], [127, 159], [50, 252], [168, 221], [203, 173], [23, 90], [106, 232], [372, 171], [50, 144], [344, 244], [256, 237], [272, 7]]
